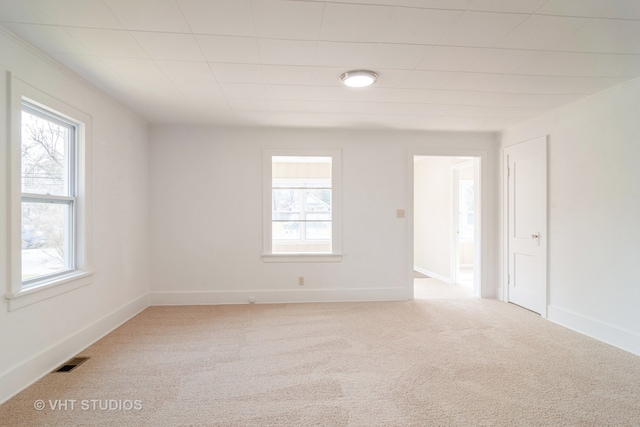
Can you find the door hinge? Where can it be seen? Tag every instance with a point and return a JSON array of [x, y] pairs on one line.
[[508, 279], [508, 172]]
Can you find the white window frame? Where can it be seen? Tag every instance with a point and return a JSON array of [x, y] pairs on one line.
[[68, 199], [21, 294], [336, 206]]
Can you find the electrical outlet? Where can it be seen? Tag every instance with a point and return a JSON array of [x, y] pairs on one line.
[[252, 299], [400, 213], [301, 281]]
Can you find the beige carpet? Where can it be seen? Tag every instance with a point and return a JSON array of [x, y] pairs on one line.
[[445, 360]]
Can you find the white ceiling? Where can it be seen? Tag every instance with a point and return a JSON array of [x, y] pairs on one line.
[[442, 64]]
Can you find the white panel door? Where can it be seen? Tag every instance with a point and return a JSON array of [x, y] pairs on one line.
[[526, 171]]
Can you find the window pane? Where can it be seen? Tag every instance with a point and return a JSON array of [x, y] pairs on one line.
[[466, 204], [286, 202], [286, 216], [317, 202], [319, 216], [45, 239], [318, 230], [466, 195], [285, 230], [45, 149]]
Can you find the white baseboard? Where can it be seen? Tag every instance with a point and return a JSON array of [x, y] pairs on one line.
[[433, 275], [277, 296], [609, 334], [23, 375]]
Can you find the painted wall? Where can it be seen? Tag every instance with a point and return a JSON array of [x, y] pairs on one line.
[[206, 214], [594, 206], [37, 338]]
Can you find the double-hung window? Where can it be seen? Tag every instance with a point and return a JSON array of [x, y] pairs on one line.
[[49, 196], [302, 204], [48, 147]]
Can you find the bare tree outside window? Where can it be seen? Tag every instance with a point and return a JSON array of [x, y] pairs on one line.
[[47, 193]]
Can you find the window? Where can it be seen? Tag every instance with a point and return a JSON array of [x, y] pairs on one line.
[[466, 210], [300, 204], [302, 197], [49, 197], [48, 165]]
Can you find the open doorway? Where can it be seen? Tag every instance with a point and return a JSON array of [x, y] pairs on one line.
[[446, 226]]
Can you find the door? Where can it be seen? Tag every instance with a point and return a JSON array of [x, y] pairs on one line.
[[526, 195]]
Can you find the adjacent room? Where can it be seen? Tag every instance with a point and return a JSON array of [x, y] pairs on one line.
[[319, 212], [446, 228]]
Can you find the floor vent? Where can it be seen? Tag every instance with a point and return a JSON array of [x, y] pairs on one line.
[[70, 365]]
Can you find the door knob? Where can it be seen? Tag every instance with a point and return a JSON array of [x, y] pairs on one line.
[[535, 236]]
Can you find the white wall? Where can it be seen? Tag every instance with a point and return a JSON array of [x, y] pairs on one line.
[[594, 206], [206, 214], [36, 338]]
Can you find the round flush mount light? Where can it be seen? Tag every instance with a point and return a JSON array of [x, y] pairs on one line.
[[358, 78]]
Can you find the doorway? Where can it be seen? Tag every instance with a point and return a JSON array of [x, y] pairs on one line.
[[446, 220]]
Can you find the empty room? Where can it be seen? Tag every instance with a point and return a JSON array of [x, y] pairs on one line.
[[222, 212]]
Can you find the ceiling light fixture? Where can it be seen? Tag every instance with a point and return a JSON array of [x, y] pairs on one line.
[[358, 78]]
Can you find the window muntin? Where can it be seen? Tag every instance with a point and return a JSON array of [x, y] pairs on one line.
[[301, 204], [48, 146]]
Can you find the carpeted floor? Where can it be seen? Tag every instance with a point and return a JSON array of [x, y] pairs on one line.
[[447, 359]]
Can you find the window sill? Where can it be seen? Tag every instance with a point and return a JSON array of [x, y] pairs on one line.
[[301, 257], [57, 286]]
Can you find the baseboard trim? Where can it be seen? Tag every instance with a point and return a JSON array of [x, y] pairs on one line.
[[276, 296], [609, 334], [23, 375], [433, 275]]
